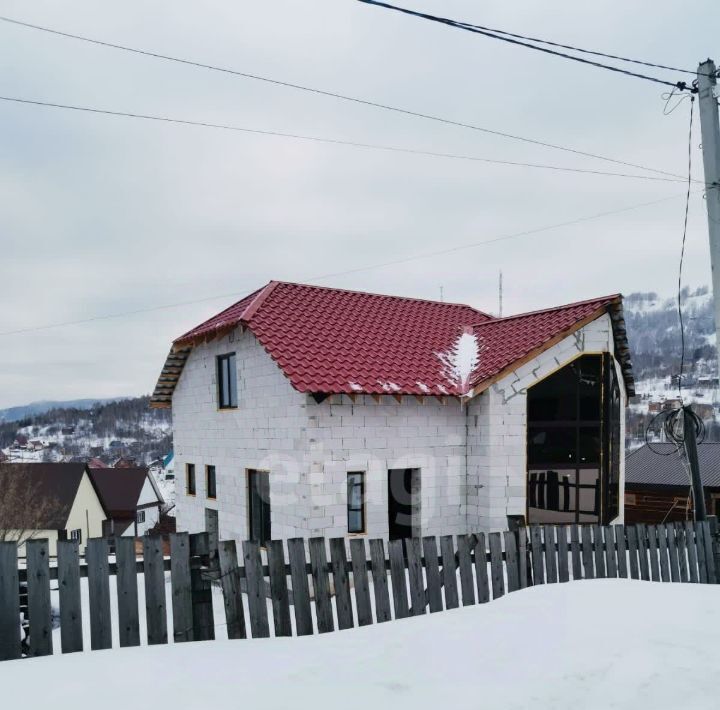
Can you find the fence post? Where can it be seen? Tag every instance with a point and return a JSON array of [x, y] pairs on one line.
[[9, 602], [715, 539], [203, 619]]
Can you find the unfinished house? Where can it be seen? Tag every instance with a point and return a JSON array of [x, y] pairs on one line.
[[304, 411]]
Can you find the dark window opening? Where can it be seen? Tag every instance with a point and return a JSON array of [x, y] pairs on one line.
[[356, 502], [573, 444], [403, 503], [190, 479], [76, 535], [259, 506], [227, 381], [210, 484]]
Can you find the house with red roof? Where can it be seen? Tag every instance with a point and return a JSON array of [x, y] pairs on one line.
[[305, 410]]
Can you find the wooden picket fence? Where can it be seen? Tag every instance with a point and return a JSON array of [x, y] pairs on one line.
[[424, 573]]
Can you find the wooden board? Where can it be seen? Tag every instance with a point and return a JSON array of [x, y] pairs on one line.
[[399, 583], [257, 607], [641, 530], [550, 554], [631, 532], [599, 547], [691, 551], [343, 602], [653, 552], [586, 550], [155, 602], [279, 588], [672, 551], [301, 589], [524, 568], [700, 551], [496, 564], [432, 574], [511, 561], [682, 551], [68, 574], [663, 558], [37, 555], [229, 580], [467, 583], [610, 551], [481, 569], [449, 576], [9, 602], [538, 566], [379, 580], [709, 556], [575, 552], [413, 547], [563, 557], [127, 592], [96, 554], [361, 583], [181, 591], [621, 545], [200, 569]]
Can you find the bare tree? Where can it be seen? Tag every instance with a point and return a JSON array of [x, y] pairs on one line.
[[24, 508]]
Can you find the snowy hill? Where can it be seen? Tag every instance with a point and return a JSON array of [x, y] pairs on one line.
[[14, 414]]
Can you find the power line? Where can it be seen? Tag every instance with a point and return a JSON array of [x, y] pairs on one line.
[[405, 260], [342, 97], [477, 29], [333, 141]]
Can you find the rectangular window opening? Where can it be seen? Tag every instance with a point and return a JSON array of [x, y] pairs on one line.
[[259, 506], [227, 381], [356, 502], [210, 482], [190, 479]]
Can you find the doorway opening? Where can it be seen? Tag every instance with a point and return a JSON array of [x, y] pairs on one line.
[[403, 503]]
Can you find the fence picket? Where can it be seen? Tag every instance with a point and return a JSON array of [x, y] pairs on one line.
[[709, 556], [642, 551], [155, 602], [663, 553], [610, 552], [481, 569], [257, 607], [379, 580], [575, 552], [563, 561], [415, 575], [9, 602], [691, 551], [682, 551], [71, 633], [96, 554], [587, 552], [511, 561], [538, 568], [673, 552], [300, 587], [449, 576], [229, 580], [621, 544], [599, 546], [653, 551], [360, 581], [203, 560], [550, 555], [321, 585], [631, 532], [343, 601], [432, 574], [127, 592], [39, 608], [700, 551], [181, 589], [279, 589], [467, 587], [399, 582], [496, 564], [524, 569]]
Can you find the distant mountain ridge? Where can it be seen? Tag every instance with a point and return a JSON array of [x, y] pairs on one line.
[[14, 414]]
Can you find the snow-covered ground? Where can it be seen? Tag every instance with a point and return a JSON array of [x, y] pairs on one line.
[[590, 644]]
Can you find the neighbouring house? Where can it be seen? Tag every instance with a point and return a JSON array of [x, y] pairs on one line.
[[3, 456], [57, 501], [657, 483], [168, 467], [35, 445], [303, 410], [96, 463], [124, 462], [130, 497], [21, 440]]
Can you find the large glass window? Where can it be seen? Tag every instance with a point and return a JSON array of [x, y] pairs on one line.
[[227, 381], [573, 444], [259, 506]]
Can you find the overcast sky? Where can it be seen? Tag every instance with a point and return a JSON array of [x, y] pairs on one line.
[[102, 215]]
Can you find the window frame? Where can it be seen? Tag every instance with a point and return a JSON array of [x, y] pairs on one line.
[[190, 480], [226, 375], [208, 478], [140, 517], [259, 531], [362, 509], [76, 535]]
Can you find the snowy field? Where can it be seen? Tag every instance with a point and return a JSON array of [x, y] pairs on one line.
[[583, 645]]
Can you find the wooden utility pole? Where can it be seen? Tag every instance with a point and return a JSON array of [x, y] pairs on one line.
[[710, 129], [692, 455]]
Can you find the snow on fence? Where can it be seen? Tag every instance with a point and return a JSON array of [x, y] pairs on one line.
[[428, 573]]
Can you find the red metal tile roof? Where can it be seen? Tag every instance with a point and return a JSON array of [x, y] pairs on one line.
[[330, 340]]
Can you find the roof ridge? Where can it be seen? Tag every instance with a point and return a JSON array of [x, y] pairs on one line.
[[609, 298]]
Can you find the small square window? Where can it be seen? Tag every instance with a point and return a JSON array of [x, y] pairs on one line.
[[356, 502], [210, 482], [76, 535], [190, 479], [141, 516], [227, 381]]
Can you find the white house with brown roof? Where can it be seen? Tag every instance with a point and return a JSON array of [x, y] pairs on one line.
[[303, 411]]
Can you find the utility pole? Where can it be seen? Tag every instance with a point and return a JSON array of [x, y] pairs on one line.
[[692, 455], [710, 130]]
